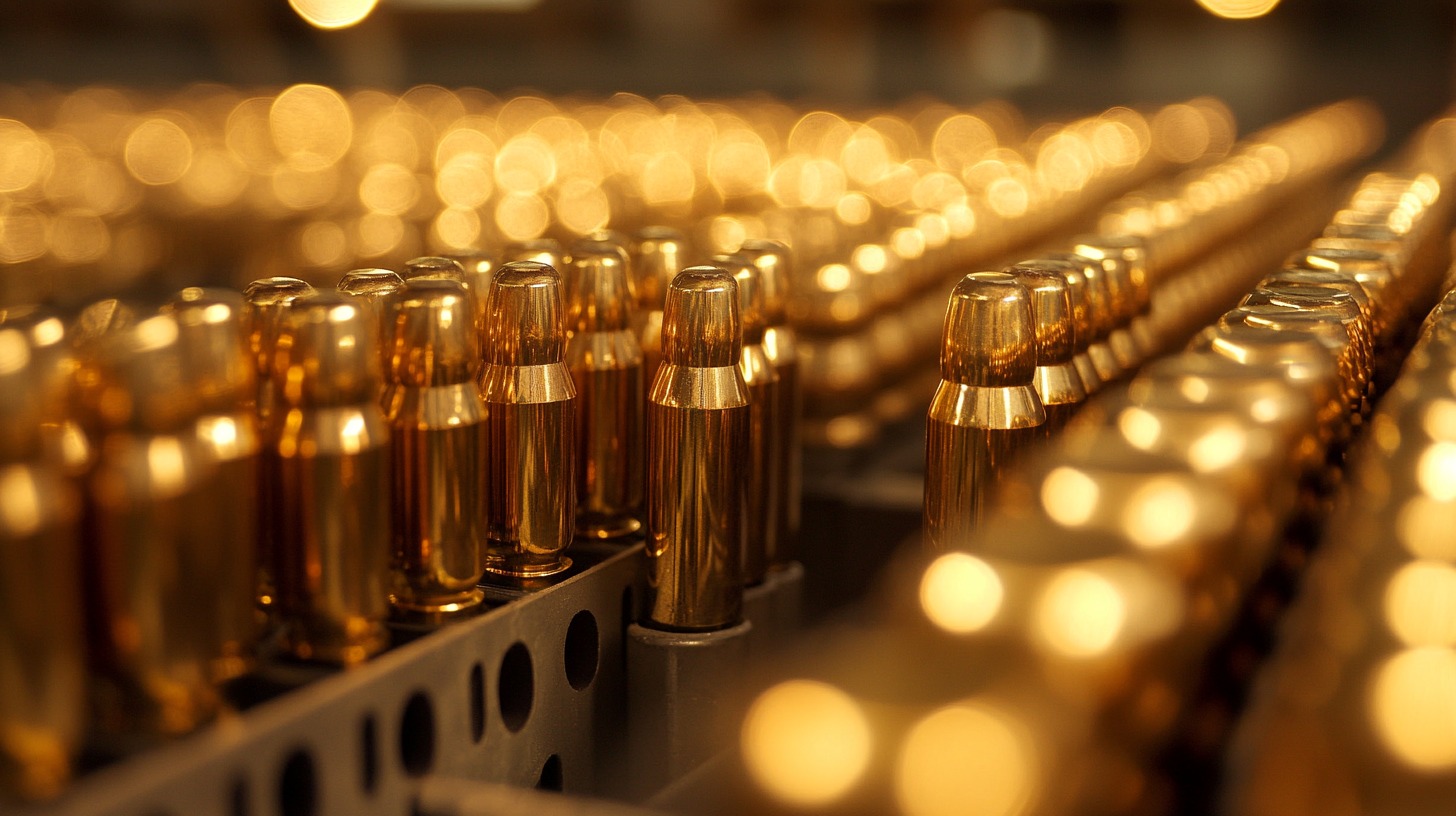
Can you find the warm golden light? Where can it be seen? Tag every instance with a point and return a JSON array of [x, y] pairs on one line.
[[158, 151], [1069, 497], [1413, 706], [1239, 9], [960, 593], [1080, 613], [975, 758], [1420, 604], [1424, 527], [1159, 513], [1436, 471], [806, 743], [333, 14]]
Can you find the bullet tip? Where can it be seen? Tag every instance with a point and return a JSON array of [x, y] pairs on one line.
[[701, 322]]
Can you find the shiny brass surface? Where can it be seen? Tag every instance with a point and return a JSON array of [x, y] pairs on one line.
[[435, 267], [101, 318], [42, 654], [531, 404], [606, 365], [985, 409], [1082, 326], [332, 443], [65, 441], [658, 254], [1125, 261], [149, 549], [220, 367], [697, 442], [480, 266], [782, 348], [765, 427], [436, 419], [1057, 383], [373, 288], [539, 250], [1101, 314]]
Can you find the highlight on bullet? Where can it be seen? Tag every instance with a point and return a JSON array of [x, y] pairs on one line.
[[1056, 380], [373, 288], [658, 254]]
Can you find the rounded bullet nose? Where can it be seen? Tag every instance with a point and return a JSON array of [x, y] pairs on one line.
[[275, 290], [1314, 279], [1076, 283], [101, 318], [433, 266], [597, 288], [658, 254], [370, 282], [1298, 355], [433, 334], [329, 352], [752, 314], [139, 379], [214, 346], [1051, 306], [546, 251], [524, 324], [773, 260], [989, 337], [701, 325]]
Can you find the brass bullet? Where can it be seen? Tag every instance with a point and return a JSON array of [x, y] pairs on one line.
[[985, 407], [697, 443], [1057, 383], [266, 301], [530, 456], [64, 440], [761, 474], [781, 345], [42, 671], [539, 250], [1124, 259], [1082, 327], [332, 443], [434, 267], [99, 319], [149, 562], [606, 366], [480, 267], [1101, 313], [218, 363], [658, 254], [436, 422], [373, 288]]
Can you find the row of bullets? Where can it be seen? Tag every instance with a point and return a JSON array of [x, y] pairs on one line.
[[1093, 623], [282, 471]]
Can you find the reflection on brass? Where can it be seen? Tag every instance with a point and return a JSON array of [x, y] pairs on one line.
[[434, 267], [538, 250], [530, 456], [101, 318], [781, 347], [332, 442], [985, 407], [1124, 259], [1057, 383], [149, 550], [42, 689], [217, 362], [658, 254], [65, 442], [606, 366], [697, 444], [372, 288], [1082, 325], [761, 474], [1101, 313], [437, 439], [479, 266]]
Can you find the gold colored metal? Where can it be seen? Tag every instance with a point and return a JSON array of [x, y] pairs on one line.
[[546, 251], [1125, 260], [149, 549], [781, 347], [480, 267], [63, 438], [1056, 380], [1082, 326], [436, 422], [985, 409], [219, 365], [606, 365], [99, 319], [332, 442], [1101, 313], [697, 443], [434, 267], [761, 474], [530, 457], [42, 652], [658, 254], [373, 288]]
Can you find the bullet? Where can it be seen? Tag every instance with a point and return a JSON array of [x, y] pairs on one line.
[[434, 267], [42, 670], [333, 553], [266, 301], [761, 510], [1057, 383], [697, 443], [1101, 313], [606, 366], [64, 440], [373, 288], [530, 457], [436, 420], [539, 250], [148, 556], [217, 362], [1125, 260], [101, 318], [1082, 328], [781, 345], [658, 254], [985, 407], [480, 267]]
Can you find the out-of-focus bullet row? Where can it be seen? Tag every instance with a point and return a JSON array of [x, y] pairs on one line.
[[186, 491], [1105, 603]]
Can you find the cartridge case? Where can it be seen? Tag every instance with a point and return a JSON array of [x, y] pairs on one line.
[[761, 474], [218, 363], [436, 422], [606, 366], [781, 347], [530, 425], [149, 546], [332, 442], [42, 667], [373, 288], [697, 454], [1125, 262], [1082, 327], [658, 254], [1101, 315], [985, 409], [1057, 383]]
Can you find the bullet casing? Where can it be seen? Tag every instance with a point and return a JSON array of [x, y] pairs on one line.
[[1056, 381], [658, 254]]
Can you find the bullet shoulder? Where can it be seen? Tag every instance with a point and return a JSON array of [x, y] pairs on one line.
[[699, 388], [971, 406]]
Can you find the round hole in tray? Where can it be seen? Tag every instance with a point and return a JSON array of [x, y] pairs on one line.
[[551, 777], [239, 803], [515, 687], [369, 753], [298, 785], [417, 735], [477, 702], [583, 648]]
